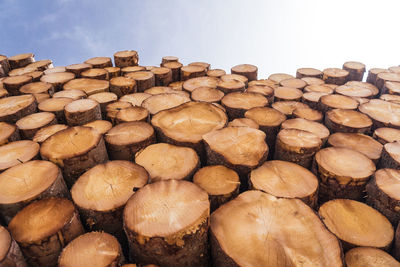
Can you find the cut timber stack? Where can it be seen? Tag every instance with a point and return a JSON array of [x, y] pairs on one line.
[[10, 253], [180, 213]]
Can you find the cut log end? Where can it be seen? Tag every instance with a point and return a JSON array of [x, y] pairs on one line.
[[369, 257]]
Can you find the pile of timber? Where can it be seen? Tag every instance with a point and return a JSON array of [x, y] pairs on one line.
[[110, 163]]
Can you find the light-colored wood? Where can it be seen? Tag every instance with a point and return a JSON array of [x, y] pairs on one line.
[[95, 73], [41, 65], [311, 99], [89, 86], [347, 121], [257, 229], [392, 88], [207, 94], [230, 86], [144, 79], [265, 90], [194, 83], [178, 85], [373, 73], [125, 139], [383, 77], [313, 81], [293, 83], [308, 72], [243, 122], [113, 72], [356, 70], [287, 107], [201, 64], [28, 182], [74, 150], [157, 103], [162, 76], [21, 60], [343, 173], [58, 79], [150, 241], [167, 59], [36, 75], [156, 90], [10, 253], [236, 77], [104, 99], [43, 228], [285, 179], [74, 94], [382, 113], [30, 124], [14, 83], [47, 131], [237, 103], [54, 70], [320, 88], [216, 73], [8, 133], [263, 82], [310, 126], [77, 69], [126, 58], [278, 77], [15, 107], [122, 86], [92, 249], [192, 71], [287, 94], [82, 111], [175, 68], [308, 114], [390, 98], [165, 162], [132, 114], [369, 257], [113, 109], [387, 135], [100, 62], [130, 69], [356, 224], [17, 152], [101, 126], [55, 105], [335, 76], [390, 156], [247, 70], [335, 101], [37, 89]]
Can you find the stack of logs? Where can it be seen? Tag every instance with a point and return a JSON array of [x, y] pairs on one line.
[[106, 164]]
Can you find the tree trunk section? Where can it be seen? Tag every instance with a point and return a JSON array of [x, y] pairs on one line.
[[31, 124], [237, 103], [10, 253], [335, 76], [308, 72], [99, 62], [144, 79], [13, 84], [8, 133], [122, 86], [247, 70], [82, 111], [126, 58], [77, 69], [21, 60], [17, 152], [175, 68], [356, 70], [56, 106]]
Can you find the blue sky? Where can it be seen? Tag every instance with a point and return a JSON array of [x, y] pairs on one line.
[[277, 36]]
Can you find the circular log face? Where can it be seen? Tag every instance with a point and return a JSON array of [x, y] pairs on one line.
[[5, 242], [194, 83], [188, 122], [287, 107], [217, 179], [13, 104], [176, 206], [356, 223], [48, 131], [313, 81], [351, 120], [244, 101], [266, 116], [108, 186], [381, 111], [57, 77], [101, 126], [369, 257], [91, 249], [37, 88], [129, 133], [308, 114], [74, 94], [244, 122], [6, 131], [338, 101], [249, 231], [308, 72], [89, 86], [157, 103], [207, 94], [387, 135], [35, 120], [320, 88], [17, 152], [388, 180], [54, 104], [278, 77], [302, 124]]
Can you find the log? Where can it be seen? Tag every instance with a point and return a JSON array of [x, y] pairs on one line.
[[392, 88], [89, 86], [122, 86], [15, 107], [386, 135], [104, 99], [77, 69], [95, 73], [313, 81], [130, 69], [313, 127], [4, 65], [241, 149], [113, 72], [99, 62], [373, 73], [342, 172], [308, 114], [201, 64], [8, 133], [221, 184], [237, 103], [287, 94], [231, 86], [58, 79], [156, 90], [236, 77], [55, 105], [144, 79], [40, 65], [36, 75], [274, 233], [247, 70], [30, 124], [382, 193], [394, 69], [165, 162], [207, 94], [335, 76], [113, 108], [293, 83], [335, 101], [28, 182], [364, 85], [82, 111], [264, 82], [369, 257], [162, 76], [382, 113], [311, 99], [278, 77], [125, 139], [151, 241], [21, 60], [265, 90], [356, 70], [192, 71], [74, 94], [37, 89], [167, 59], [390, 157], [296, 146], [287, 107], [92, 249], [244, 122], [100, 126], [17, 152], [14, 83], [216, 73], [320, 88], [285, 179], [308, 72], [390, 98], [126, 58], [10, 253], [347, 121], [359, 142], [132, 114], [157, 103], [54, 70], [177, 85], [45, 132], [175, 68], [74, 150], [356, 224], [384, 77], [194, 83], [100, 194], [43, 228], [186, 124]]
